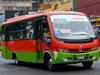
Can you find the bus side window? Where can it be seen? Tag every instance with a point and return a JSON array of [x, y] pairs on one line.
[[46, 31], [29, 29], [19, 35], [19, 30], [20, 25], [28, 34], [11, 36], [12, 30], [3, 33]]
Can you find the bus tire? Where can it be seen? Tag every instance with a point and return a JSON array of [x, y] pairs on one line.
[[50, 66], [87, 64], [16, 61]]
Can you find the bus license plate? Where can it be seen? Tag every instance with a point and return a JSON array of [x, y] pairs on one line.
[[81, 58]]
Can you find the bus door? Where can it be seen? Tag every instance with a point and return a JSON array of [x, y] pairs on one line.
[[43, 37], [7, 41], [39, 41]]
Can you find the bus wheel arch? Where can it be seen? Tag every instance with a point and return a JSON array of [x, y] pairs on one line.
[[48, 61], [46, 57], [14, 55]]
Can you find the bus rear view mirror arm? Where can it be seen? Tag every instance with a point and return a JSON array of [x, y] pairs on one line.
[[48, 43]]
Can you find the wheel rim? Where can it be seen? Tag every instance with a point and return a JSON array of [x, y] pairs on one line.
[[50, 65], [16, 61]]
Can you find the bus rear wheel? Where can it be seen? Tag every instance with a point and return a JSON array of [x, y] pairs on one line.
[[17, 62], [87, 64]]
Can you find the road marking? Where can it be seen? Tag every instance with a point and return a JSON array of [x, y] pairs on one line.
[[17, 68], [2, 69], [2, 59]]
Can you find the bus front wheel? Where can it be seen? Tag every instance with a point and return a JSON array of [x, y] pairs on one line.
[[50, 66], [87, 64]]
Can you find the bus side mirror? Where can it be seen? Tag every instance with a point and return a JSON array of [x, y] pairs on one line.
[[96, 31]]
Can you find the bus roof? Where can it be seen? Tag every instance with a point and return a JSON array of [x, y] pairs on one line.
[[25, 17]]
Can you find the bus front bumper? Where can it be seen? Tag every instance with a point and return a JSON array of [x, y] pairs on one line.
[[59, 57]]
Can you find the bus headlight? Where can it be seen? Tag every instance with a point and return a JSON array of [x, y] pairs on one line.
[[60, 49], [65, 50], [95, 48]]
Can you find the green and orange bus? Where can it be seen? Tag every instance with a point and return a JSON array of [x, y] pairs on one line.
[[60, 37]]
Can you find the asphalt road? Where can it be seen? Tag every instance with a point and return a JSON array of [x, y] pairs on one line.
[[7, 67]]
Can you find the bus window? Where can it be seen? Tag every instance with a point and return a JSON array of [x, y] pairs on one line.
[[7, 33], [21, 35], [11, 36], [12, 30], [3, 33], [20, 26], [12, 27], [17, 35], [29, 29], [28, 34], [46, 32]]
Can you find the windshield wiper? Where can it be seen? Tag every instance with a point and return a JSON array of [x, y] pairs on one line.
[[81, 33]]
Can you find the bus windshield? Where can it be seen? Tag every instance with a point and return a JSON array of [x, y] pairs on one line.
[[71, 27]]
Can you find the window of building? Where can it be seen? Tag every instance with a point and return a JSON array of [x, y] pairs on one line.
[[99, 22]]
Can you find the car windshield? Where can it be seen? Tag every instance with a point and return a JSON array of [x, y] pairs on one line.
[[71, 27]]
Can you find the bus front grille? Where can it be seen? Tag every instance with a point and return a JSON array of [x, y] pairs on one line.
[[79, 50]]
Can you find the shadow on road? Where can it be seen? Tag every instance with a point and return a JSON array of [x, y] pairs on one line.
[[59, 68]]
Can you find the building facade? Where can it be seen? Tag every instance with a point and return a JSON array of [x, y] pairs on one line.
[[11, 8], [57, 5], [19, 5], [89, 7]]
